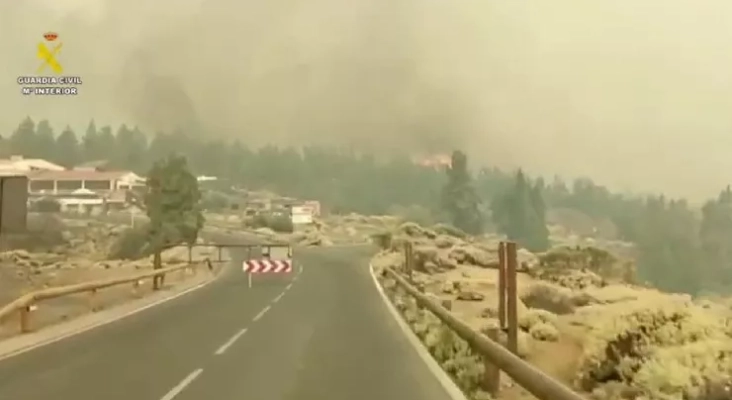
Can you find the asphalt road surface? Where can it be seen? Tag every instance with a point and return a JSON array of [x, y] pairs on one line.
[[324, 334]]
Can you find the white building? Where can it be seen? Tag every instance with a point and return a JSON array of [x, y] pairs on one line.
[[22, 165]]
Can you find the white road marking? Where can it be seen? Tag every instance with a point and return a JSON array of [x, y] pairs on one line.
[[182, 385], [230, 342], [450, 387], [276, 299], [261, 313], [288, 287]]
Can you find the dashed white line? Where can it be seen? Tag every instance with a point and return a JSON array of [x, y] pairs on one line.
[[261, 313], [276, 299], [182, 385], [288, 286], [230, 342]]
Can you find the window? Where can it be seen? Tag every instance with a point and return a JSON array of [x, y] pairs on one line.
[[68, 185], [36, 186], [98, 184]]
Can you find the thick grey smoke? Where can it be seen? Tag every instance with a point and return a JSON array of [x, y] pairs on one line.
[[634, 94]]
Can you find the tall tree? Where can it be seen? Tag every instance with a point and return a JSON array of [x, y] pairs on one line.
[[23, 139], [716, 239], [107, 143], [45, 146], [67, 148], [519, 213], [90, 149], [173, 205], [459, 198]]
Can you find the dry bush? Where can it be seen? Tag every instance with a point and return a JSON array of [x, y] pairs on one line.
[[414, 213], [554, 298], [454, 355], [383, 240], [132, 244], [44, 232], [582, 267], [663, 348], [449, 230]]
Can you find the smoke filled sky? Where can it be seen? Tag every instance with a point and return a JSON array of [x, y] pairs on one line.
[[635, 94]]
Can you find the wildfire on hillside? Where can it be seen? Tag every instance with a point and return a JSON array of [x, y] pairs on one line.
[[433, 161]]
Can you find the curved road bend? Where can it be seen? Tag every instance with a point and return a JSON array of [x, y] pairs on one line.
[[328, 337]]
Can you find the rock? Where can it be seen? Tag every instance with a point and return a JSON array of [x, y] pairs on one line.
[[446, 263], [20, 254], [444, 242], [554, 298], [469, 295], [444, 229], [473, 256], [451, 287], [414, 230]]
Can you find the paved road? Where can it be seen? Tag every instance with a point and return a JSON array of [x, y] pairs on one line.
[[322, 335]]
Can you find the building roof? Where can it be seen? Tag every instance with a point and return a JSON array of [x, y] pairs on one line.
[[77, 175], [25, 164]]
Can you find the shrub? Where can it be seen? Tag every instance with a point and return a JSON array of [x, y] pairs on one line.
[[215, 201], [383, 240], [413, 213], [132, 244], [663, 348], [45, 205], [278, 223]]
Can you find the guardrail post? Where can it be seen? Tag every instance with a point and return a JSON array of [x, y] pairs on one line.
[[136, 288], [93, 300], [190, 254], [512, 301], [491, 372], [219, 251], [25, 319]]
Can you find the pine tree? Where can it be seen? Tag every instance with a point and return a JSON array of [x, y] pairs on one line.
[[459, 198], [520, 214], [67, 148], [90, 148], [23, 140]]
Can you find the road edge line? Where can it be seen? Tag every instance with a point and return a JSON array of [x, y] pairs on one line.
[[445, 381], [85, 328]]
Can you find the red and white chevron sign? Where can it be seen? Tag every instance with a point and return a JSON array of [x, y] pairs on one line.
[[264, 266]]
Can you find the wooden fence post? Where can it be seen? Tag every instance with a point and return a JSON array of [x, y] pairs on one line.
[[502, 285], [491, 372], [512, 301], [408, 259]]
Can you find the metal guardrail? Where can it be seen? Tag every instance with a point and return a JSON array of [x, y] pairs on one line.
[[495, 356], [25, 304]]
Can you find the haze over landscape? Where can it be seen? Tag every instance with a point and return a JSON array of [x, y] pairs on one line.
[[635, 95]]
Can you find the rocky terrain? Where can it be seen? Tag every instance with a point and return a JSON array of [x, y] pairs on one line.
[[72, 251], [580, 304], [327, 231]]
